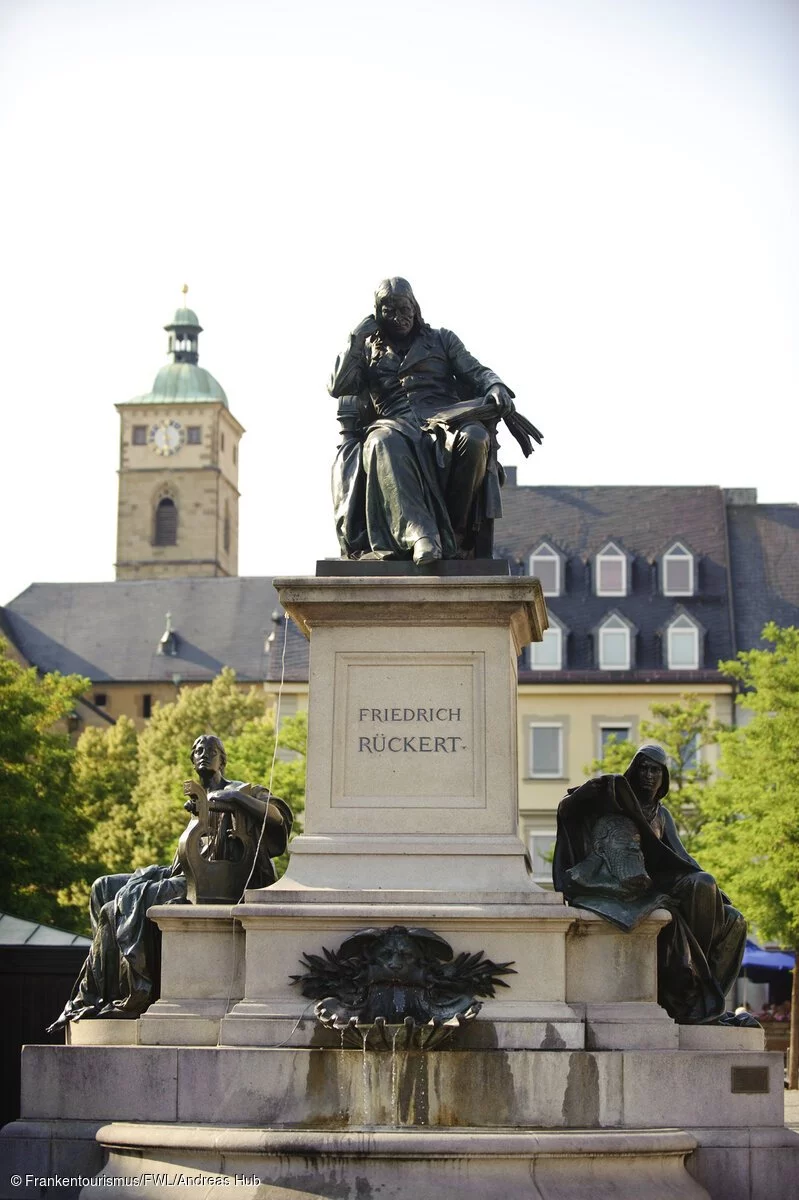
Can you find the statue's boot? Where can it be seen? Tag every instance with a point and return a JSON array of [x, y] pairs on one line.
[[426, 551]]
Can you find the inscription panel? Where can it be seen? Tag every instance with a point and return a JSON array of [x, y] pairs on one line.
[[409, 730], [752, 1081]]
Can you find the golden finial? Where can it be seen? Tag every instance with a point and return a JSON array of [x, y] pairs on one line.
[[185, 289]]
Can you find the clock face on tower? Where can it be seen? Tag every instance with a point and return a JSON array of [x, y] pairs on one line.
[[167, 438]]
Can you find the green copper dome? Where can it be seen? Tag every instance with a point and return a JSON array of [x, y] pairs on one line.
[[182, 381], [186, 383], [185, 318]]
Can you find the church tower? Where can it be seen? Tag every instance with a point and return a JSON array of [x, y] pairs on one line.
[[178, 510]]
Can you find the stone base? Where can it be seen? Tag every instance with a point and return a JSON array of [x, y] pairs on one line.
[[317, 1088], [353, 864], [41, 1150], [103, 1031]]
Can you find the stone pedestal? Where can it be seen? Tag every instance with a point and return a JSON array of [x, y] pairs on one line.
[[411, 780]]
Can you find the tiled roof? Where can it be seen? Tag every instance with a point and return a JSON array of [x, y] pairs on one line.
[[644, 522], [111, 631], [764, 547]]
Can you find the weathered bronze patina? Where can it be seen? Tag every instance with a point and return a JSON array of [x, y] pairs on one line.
[[416, 475], [397, 987], [120, 975], [618, 854]]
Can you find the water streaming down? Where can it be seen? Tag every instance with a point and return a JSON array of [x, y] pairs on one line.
[[394, 1077], [395, 990], [367, 1107], [342, 1081]]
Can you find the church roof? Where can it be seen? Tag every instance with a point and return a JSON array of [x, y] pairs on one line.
[[183, 383], [112, 631]]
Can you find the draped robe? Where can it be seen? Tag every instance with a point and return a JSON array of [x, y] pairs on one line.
[[401, 475], [700, 951]]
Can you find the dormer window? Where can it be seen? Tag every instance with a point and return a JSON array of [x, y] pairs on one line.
[[678, 571], [610, 571], [682, 644], [547, 655], [614, 643], [546, 567]]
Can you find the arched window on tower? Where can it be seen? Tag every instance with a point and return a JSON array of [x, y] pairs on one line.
[[226, 529], [166, 523]]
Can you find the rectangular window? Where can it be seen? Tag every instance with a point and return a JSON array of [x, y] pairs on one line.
[[235, 454], [614, 649], [546, 751], [147, 705], [194, 435], [614, 733], [221, 441], [683, 649], [542, 846], [546, 655], [139, 437], [546, 569], [678, 576], [100, 699], [691, 754], [610, 577]]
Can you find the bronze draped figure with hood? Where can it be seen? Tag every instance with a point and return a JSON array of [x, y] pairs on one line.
[[416, 475], [618, 854]]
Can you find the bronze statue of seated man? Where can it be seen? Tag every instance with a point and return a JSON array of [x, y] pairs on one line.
[[416, 476], [618, 854], [120, 977]]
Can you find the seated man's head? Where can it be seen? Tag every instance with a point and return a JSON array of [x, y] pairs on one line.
[[396, 309], [648, 773], [208, 754]]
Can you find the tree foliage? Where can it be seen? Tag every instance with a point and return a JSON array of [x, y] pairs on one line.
[[104, 774], [129, 788], [40, 826], [683, 728], [149, 832], [750, 839]]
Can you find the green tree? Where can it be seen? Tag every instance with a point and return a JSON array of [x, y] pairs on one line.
[[133, 787], [40, 826], [683, 728], [253, 757], [105, 772], [750, 839], [149, 832]]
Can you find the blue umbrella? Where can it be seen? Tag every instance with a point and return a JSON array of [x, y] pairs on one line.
[[769, 960]]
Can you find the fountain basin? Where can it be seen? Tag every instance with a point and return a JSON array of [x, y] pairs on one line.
[[247, 1164]]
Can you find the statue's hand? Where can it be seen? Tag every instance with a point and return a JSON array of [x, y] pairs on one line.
[[190, 789], [220, 805], [365, 329], [499, 395]]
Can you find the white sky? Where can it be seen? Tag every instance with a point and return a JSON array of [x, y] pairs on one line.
[[598, 196]]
